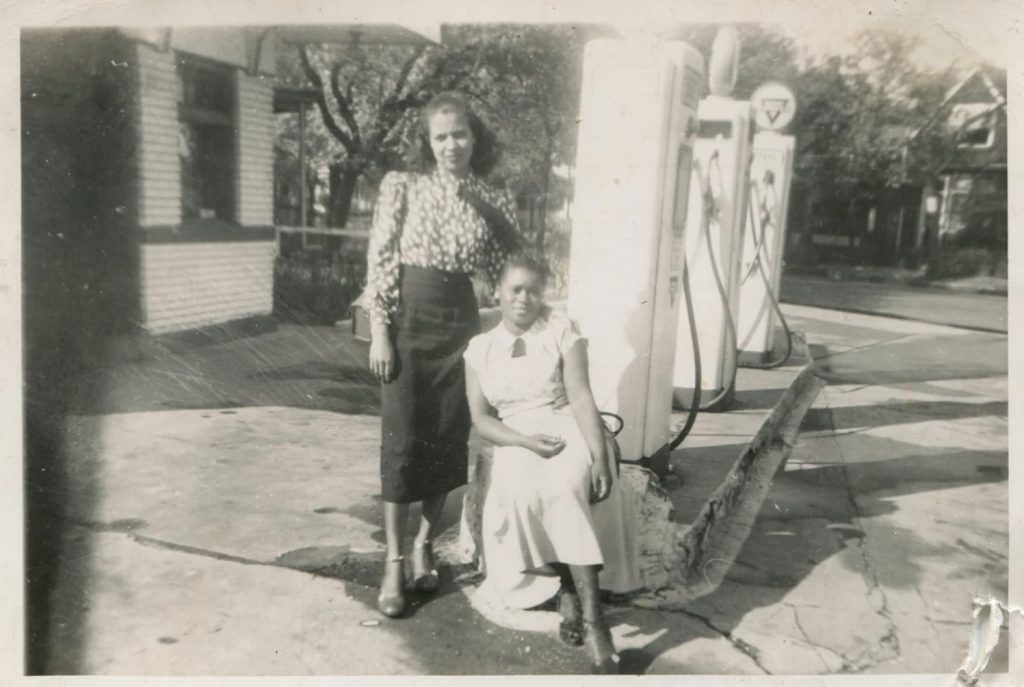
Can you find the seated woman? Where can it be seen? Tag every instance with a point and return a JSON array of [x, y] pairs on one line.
[[553, 518]]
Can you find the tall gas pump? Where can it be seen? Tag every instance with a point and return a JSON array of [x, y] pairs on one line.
[[771, 172], [638, 115], [713, 242]]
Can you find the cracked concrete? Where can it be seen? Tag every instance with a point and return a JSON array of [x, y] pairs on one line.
[[888, 646]]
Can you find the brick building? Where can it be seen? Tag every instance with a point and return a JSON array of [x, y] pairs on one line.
[[171, 133], [148, 170]]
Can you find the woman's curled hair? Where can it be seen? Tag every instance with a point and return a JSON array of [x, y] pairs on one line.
[[485, 144]]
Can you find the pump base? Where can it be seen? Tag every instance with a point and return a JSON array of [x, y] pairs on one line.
[[753, 357], [681, 399]]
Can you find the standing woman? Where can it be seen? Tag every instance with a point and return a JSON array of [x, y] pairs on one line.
[[432, 229]]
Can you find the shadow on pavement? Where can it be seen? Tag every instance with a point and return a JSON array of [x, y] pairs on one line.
[[301, 366], [885, 414]]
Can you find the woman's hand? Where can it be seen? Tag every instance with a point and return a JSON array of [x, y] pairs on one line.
[[382, 359], [600, 480], [544, 445]]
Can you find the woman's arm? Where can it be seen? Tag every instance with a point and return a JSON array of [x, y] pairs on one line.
[[383, 259], [492, 429], [581, 400]]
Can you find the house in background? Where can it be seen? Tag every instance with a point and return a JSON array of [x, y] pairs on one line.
[[954, 179], [976, 166], [148, 170]]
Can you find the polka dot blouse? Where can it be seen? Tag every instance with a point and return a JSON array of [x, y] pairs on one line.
[[439, 231]]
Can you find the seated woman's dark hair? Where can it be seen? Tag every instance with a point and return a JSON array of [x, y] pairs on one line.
[[527, 258], [485, 144]]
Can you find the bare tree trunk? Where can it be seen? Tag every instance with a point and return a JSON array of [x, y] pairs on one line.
[[542, 220], [311, 185], [343, 180]]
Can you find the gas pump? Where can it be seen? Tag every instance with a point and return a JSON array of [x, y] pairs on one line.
[[771, 172], [713, 245], [638, 116]]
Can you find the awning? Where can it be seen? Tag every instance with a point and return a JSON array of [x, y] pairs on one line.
[[390, 34], [287, 99], [244, 45]]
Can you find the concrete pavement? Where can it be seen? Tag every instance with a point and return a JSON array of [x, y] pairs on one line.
[[222, 520], [916, 417]]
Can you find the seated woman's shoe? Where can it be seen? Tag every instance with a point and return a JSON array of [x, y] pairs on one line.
[[424, 575], [392, 606], [570, 629], [598, 640]]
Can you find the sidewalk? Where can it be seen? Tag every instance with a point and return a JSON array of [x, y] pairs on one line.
[[224, 519]]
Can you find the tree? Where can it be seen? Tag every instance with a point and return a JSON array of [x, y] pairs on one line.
[[363, 96], [855, 116], [765, 55], [522, 79], [527, 78]]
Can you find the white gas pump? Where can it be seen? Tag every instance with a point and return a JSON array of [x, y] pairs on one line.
[[713, 243], [637, 122], [771, 172]]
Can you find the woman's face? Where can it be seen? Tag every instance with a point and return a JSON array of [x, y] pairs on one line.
[[451, 140], [521, 295]]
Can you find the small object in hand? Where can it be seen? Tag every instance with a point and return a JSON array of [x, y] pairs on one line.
[[554, 442]]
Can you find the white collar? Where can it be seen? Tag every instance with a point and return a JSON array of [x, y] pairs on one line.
[[506, 339]]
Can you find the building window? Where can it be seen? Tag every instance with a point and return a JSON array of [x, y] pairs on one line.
[[206, 125], [973, 125]]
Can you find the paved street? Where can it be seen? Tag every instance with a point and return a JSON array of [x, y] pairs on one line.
[[938, 306], [222, 520]]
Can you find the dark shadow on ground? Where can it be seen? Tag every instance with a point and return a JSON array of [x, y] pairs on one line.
[[849, 417], [300, 366], [79, 277], [438, 639]]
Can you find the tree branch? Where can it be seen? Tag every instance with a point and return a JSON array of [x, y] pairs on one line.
[[321, 101], [343, 105], [403, 74], [392, 108]]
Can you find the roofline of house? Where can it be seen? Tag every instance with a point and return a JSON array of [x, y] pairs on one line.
[[977, 71]]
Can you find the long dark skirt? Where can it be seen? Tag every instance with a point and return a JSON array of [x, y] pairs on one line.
[[424, 415]]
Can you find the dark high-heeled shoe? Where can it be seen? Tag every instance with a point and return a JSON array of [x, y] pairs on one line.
[[424, 574], [570, 629], [393, 606], [598, 640]]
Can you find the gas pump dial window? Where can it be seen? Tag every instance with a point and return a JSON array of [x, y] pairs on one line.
[[714, 128]]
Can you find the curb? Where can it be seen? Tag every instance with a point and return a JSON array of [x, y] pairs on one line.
[[727, 517]]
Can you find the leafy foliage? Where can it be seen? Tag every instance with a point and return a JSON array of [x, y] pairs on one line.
[[855, 115]]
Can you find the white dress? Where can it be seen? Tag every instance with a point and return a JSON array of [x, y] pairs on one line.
[[537, 510]]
